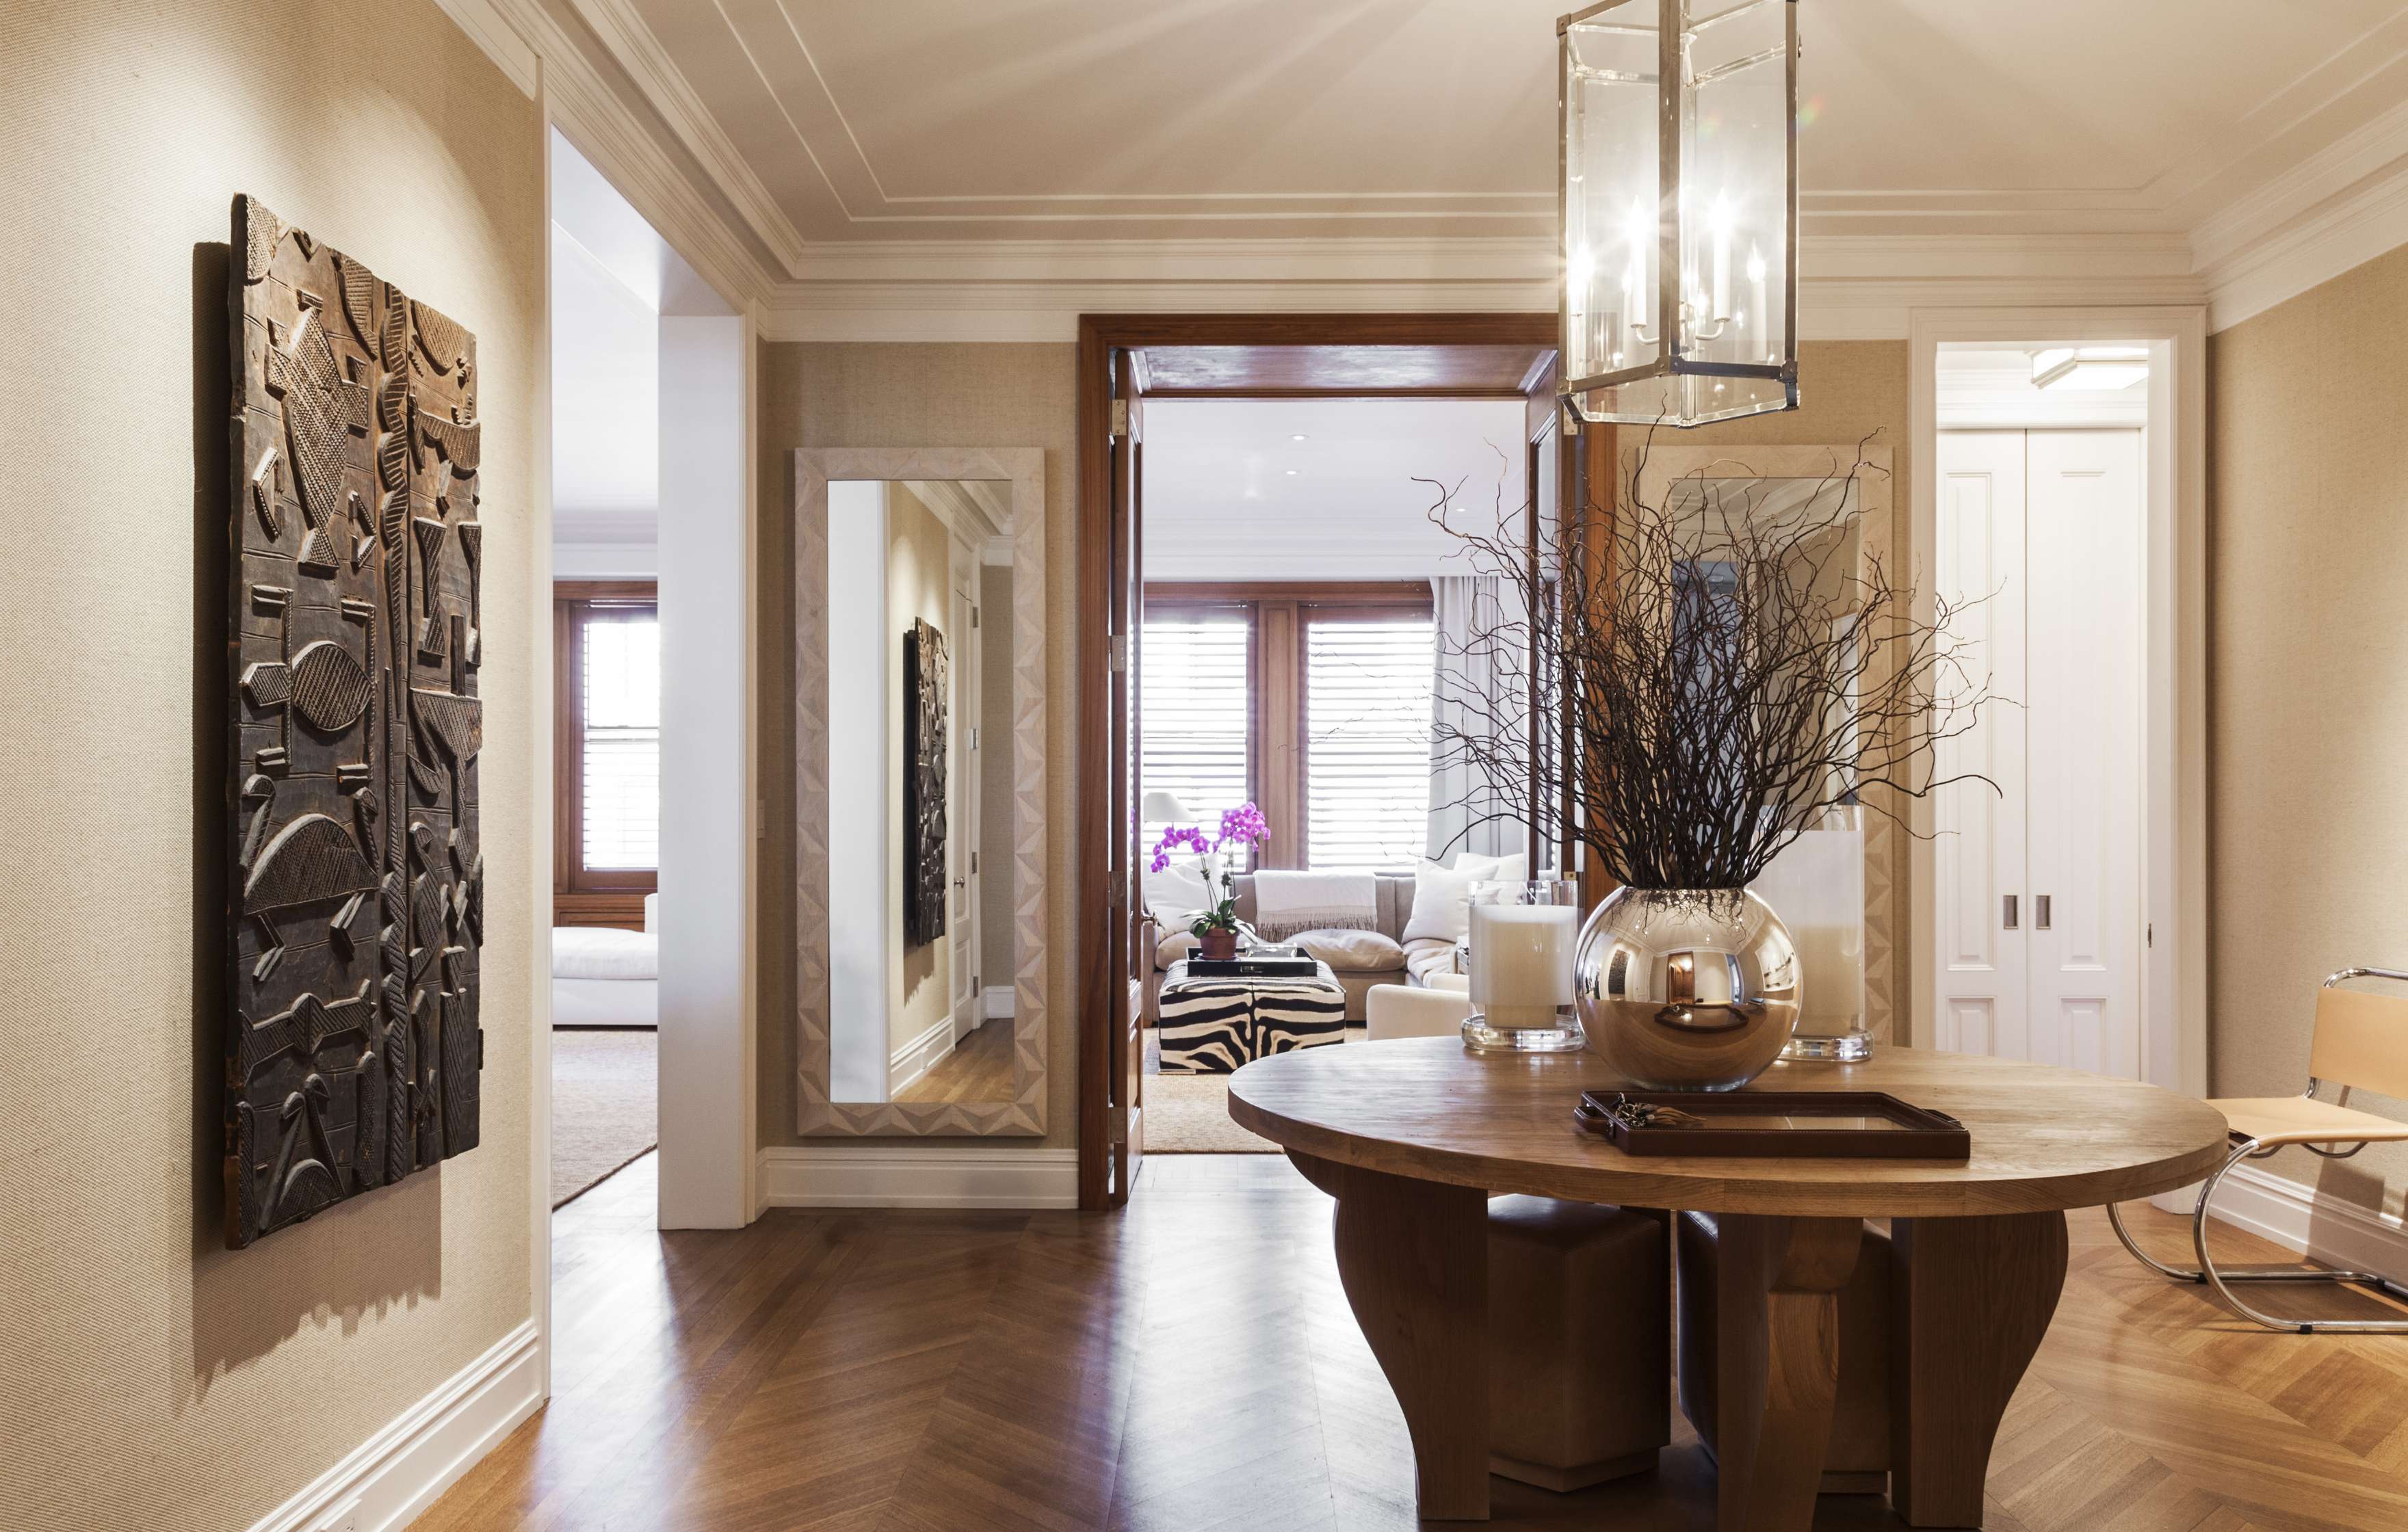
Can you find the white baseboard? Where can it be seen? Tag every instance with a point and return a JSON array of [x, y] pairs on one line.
[[935, 1175], [2295, 1217], [999, 998], [388, 1480], [918, 1056]]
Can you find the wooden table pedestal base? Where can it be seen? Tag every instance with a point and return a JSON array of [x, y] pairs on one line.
[[1413, 1258], [1969, 1300]]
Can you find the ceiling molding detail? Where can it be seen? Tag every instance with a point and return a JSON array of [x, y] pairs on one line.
[[631, 42], [1852, 287], [2304, 219], [530, 46], [2343, 206]]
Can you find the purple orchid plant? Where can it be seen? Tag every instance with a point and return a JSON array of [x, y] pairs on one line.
[[1243, 826]]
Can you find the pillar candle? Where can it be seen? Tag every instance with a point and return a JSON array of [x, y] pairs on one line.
[[1521, 962]]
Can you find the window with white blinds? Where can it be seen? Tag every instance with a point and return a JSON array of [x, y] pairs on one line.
[[621, 751], [1366, 726], [1195, 712]]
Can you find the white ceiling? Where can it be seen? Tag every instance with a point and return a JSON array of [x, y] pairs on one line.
[[1222, 503], [977, 120]]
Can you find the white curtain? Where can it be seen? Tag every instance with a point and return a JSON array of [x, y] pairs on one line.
[[1480, 688]]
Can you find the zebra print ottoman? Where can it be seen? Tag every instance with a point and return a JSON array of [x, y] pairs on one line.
[[1210, 1026]]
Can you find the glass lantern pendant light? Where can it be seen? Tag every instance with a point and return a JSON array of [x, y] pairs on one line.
[[1678, 208]]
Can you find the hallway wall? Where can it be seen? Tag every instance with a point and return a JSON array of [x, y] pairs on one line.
[[150, 1378], [2307, 685], [911, 394]]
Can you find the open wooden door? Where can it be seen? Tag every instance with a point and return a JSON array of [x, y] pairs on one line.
[[1131, 960]]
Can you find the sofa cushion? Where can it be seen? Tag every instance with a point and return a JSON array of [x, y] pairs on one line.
[[1438, 893], [1177, 945], [1352, 952]]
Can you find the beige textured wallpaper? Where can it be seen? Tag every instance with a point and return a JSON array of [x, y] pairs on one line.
[[894, 394], [149, 1378], [1847, 390], [2307, 684]]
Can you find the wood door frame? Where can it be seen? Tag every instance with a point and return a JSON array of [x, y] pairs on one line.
[[1101, 336]]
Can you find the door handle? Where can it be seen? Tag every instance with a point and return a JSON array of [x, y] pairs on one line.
[[2040, 912], [2009, 918]]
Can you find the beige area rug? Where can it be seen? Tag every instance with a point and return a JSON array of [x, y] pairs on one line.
[[605, 1103], [1189, 1114]]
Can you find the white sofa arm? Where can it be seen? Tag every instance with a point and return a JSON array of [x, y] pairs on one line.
[[1408, 1010]]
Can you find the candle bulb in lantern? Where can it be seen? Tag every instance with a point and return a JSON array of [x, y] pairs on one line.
[[1756, 273], [1722, 256]]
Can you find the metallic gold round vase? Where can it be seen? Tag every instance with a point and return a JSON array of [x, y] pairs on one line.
[[1686, 988]]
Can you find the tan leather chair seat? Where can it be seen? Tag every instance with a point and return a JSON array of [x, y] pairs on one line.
[[2304, 1120]]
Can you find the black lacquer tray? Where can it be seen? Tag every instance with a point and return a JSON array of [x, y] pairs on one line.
[[1777, 1125]]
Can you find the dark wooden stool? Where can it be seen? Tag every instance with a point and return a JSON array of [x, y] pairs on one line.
[[1857, 1461], [1578, 1341]]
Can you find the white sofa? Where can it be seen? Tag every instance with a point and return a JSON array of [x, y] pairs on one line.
[[1434, 1010]]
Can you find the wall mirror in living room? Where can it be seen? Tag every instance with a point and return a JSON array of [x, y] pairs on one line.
[[919, 634], [1828, 509]]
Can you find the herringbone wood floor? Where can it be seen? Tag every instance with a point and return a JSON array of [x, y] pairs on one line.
[[1191, 1366]]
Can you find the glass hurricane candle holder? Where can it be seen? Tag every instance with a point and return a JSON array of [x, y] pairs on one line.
[[1523, 937]]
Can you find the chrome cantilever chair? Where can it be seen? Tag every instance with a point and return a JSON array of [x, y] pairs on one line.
[[2360, 1041]]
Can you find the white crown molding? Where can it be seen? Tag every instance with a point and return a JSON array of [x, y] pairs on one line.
[[529, 45], [388, 1480], [925, 1175], [1852, 287], [631, 42], [2345, 206]]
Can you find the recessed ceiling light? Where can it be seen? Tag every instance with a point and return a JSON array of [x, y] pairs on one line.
[[1292, 473], [1299, 436]]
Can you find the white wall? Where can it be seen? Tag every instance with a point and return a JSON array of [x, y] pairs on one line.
[[608, 275], [856, 777], [707, 797]]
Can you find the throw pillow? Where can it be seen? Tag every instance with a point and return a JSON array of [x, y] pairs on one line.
[[1177, 894], [1438, 893], [1352, 952]]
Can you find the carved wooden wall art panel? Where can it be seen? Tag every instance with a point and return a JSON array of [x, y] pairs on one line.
[[924, 785], [357, 896]]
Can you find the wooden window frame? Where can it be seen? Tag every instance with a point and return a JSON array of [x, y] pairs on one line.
[[1278, 709], [581, 895]]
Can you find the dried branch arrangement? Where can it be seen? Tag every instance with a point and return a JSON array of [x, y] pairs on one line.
[[1714, 670]]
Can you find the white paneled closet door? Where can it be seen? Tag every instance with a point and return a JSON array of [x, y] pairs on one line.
[[1978, 932], [2083, 734], [2037, 922]]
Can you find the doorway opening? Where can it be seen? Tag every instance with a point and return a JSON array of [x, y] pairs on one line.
[[2059, 497], [649, 1045], [1264, 597]]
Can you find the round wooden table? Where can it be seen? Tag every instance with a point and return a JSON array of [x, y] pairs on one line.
[[1413, 1135]]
